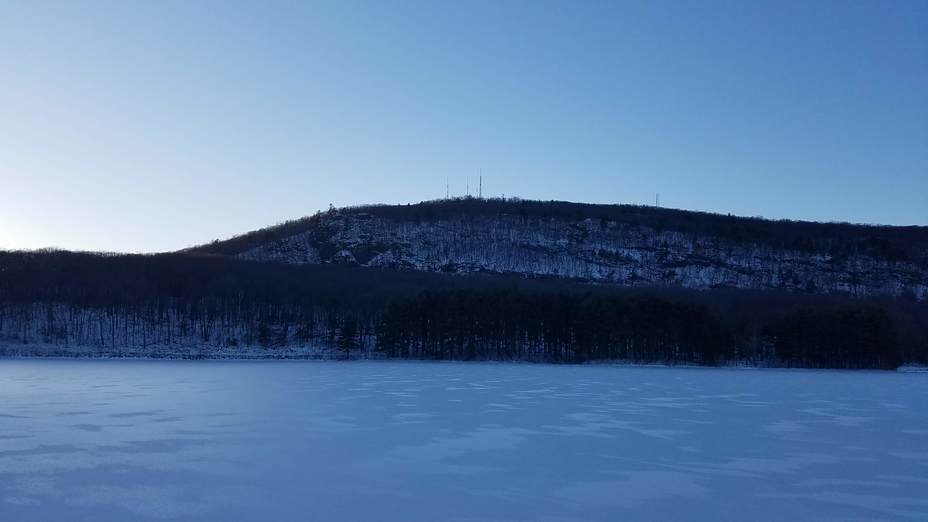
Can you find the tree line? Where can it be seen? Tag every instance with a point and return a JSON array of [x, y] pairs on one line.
[[63, 303], [557, 327], [581, 327]]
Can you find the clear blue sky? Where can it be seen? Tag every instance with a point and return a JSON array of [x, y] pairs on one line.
[[148, 126]]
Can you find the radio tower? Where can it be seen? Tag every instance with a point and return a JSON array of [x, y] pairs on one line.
[[480, 189]]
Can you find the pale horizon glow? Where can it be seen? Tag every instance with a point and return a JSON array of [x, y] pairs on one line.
[[145, 127]]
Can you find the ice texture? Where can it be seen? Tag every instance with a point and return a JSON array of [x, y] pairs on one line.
[[258, 441]]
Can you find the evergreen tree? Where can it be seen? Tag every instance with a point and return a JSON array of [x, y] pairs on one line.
[[348, 338]]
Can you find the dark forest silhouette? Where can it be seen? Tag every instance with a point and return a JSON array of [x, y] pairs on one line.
[[51, 301]]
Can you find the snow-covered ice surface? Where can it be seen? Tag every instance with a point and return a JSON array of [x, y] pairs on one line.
[[257, 441]]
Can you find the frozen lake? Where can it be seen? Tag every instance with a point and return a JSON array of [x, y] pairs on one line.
[[258, 441]]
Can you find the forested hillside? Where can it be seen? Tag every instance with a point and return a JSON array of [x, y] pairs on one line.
[[616, 244], [193, 306]]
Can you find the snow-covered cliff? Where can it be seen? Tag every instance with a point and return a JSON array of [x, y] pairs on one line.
[[586, 248]]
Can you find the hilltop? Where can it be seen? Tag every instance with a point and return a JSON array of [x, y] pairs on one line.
[[626, 245]]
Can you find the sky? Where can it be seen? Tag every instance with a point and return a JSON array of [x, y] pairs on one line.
[[153, 126]]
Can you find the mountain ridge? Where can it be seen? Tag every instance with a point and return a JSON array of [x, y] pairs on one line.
[[626, 245]]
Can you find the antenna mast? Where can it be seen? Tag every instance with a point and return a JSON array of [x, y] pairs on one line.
[[480, 189], [657, 200]]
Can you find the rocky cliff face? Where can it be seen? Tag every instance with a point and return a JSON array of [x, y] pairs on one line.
[[593, 249]]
